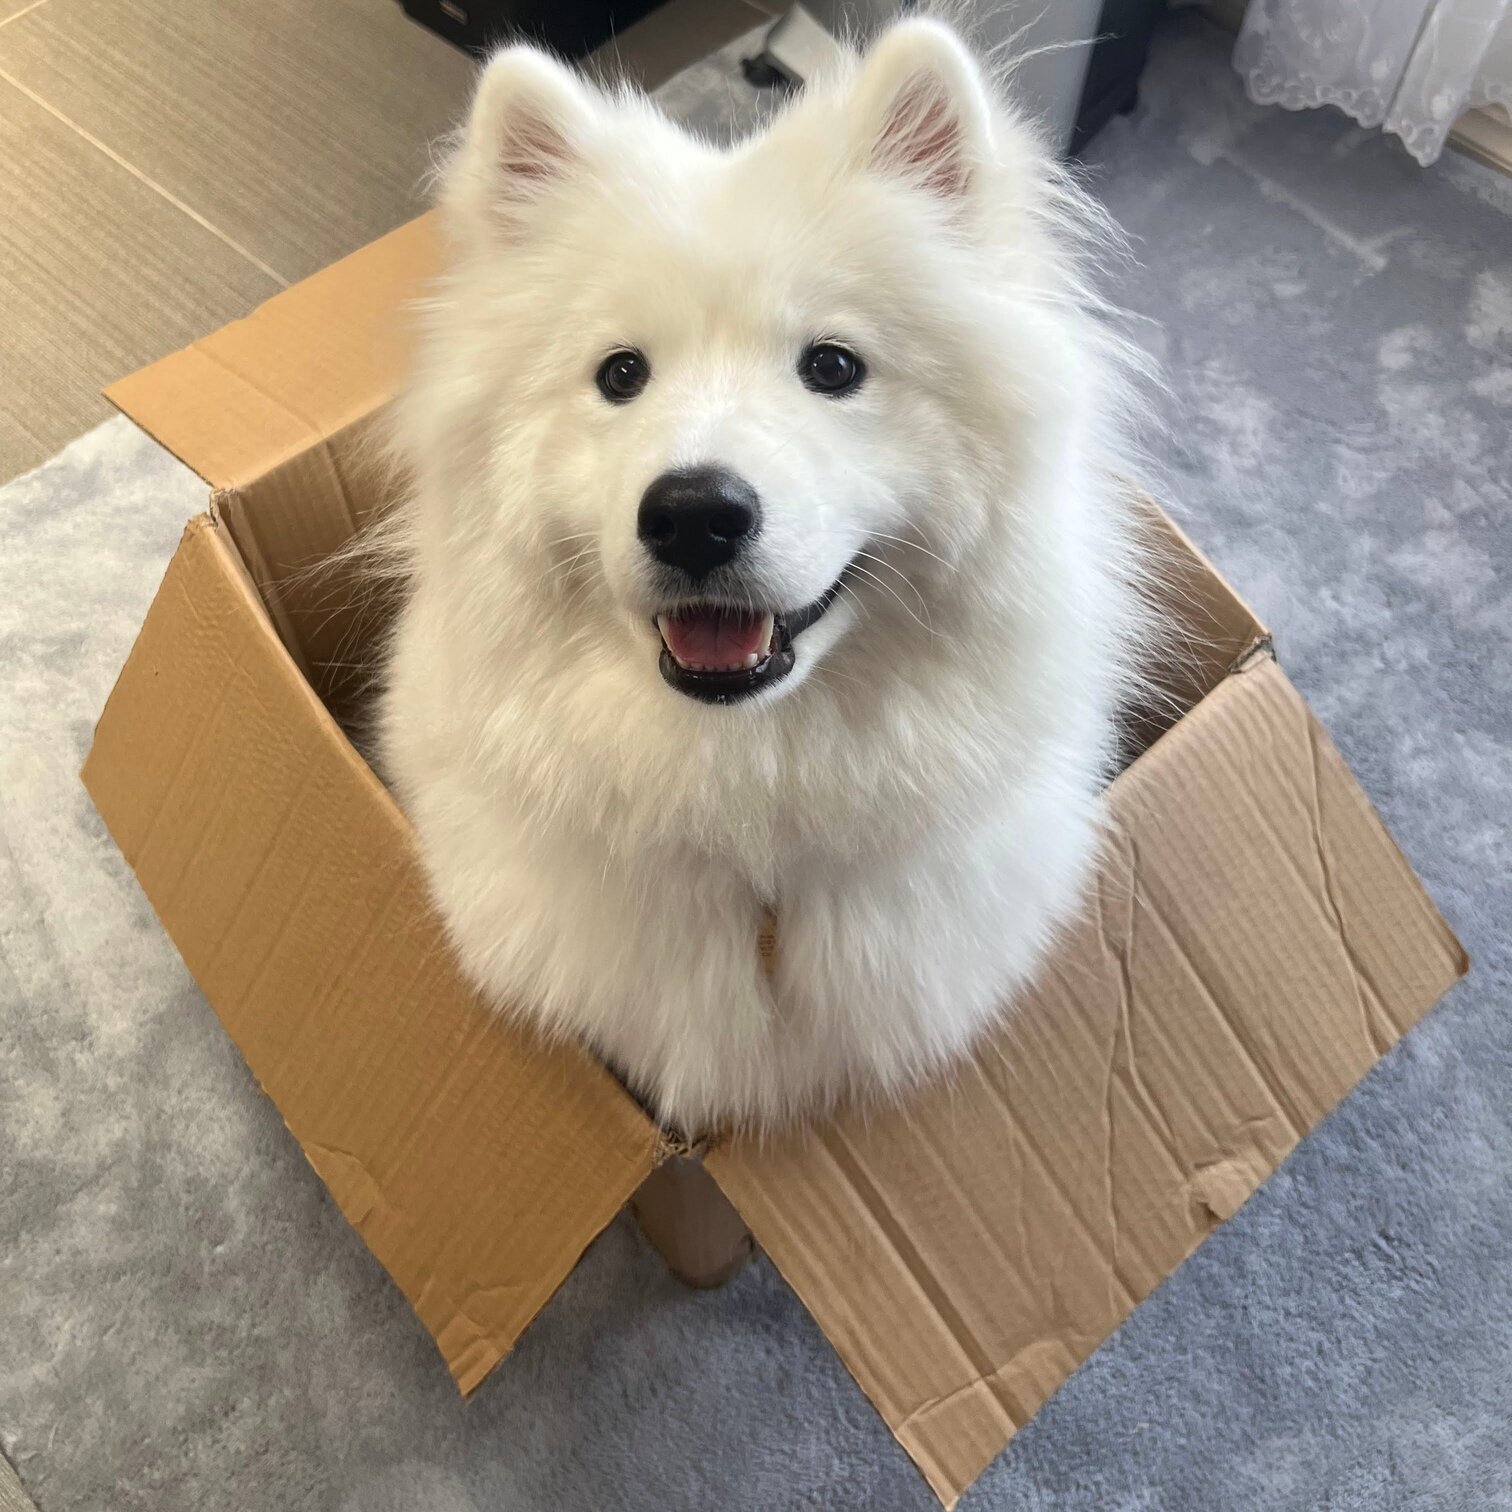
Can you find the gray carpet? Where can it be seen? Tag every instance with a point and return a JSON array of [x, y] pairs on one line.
[[186, 1323]]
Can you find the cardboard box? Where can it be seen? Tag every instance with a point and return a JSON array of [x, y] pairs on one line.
[[1253, 944]]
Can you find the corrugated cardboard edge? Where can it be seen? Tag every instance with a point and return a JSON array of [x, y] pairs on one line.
[[217, 771], [956, 1317]]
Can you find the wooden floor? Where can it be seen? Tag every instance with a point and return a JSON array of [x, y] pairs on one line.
[[166, 166]]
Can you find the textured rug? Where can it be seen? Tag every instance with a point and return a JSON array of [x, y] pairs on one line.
[[186, 1322]]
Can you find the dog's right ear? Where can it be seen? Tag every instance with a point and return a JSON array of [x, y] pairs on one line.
[[528, 130], [920, 111]]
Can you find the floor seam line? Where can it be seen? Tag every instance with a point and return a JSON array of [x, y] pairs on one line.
[[136, 173]]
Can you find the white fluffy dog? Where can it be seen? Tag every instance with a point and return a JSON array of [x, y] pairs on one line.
[[770, 598]]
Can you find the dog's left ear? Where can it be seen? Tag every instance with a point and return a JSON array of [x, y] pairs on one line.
[[921, 110]]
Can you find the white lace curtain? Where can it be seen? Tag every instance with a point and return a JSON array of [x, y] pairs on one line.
[[1411, 66]]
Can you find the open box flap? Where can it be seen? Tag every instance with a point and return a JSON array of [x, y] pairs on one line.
[[476, 1162], [301, 367], [1255, 943]]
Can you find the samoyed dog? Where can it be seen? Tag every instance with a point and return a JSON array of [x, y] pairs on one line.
[[770, 596]]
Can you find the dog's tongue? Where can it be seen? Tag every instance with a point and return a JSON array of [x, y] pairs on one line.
[[716, 639]]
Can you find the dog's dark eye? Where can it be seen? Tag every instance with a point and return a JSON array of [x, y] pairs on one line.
[[830, 369], [622, 376]]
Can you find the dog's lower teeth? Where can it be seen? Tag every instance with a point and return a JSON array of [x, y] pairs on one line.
[[751, 661]]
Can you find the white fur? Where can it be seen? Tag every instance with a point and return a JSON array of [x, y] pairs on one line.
[[918, 800]]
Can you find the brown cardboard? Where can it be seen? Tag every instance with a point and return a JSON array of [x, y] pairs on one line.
[[477, 1163], [691, 1223], [285, 400], [1253, 944]]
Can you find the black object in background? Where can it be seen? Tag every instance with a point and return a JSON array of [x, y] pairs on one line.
[[1118, 58], [574, 28], [569, 27]]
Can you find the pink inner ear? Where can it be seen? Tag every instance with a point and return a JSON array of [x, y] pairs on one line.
[[923, 138], [532, 152]]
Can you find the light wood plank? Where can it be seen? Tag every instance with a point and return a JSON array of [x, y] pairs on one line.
[[300, 128], [145, 146], [98, 274]]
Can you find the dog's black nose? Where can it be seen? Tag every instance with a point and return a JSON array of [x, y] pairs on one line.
[[698, 518]]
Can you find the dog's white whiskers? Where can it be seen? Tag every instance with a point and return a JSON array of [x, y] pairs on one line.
[[564, 571], [913, 587], [893, 593], [883, 535], [576, 535], [850, 593]]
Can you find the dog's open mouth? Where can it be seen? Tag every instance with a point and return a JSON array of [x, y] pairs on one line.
[[718, 653]]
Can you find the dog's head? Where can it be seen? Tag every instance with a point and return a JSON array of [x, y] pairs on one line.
[[733, 407]]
